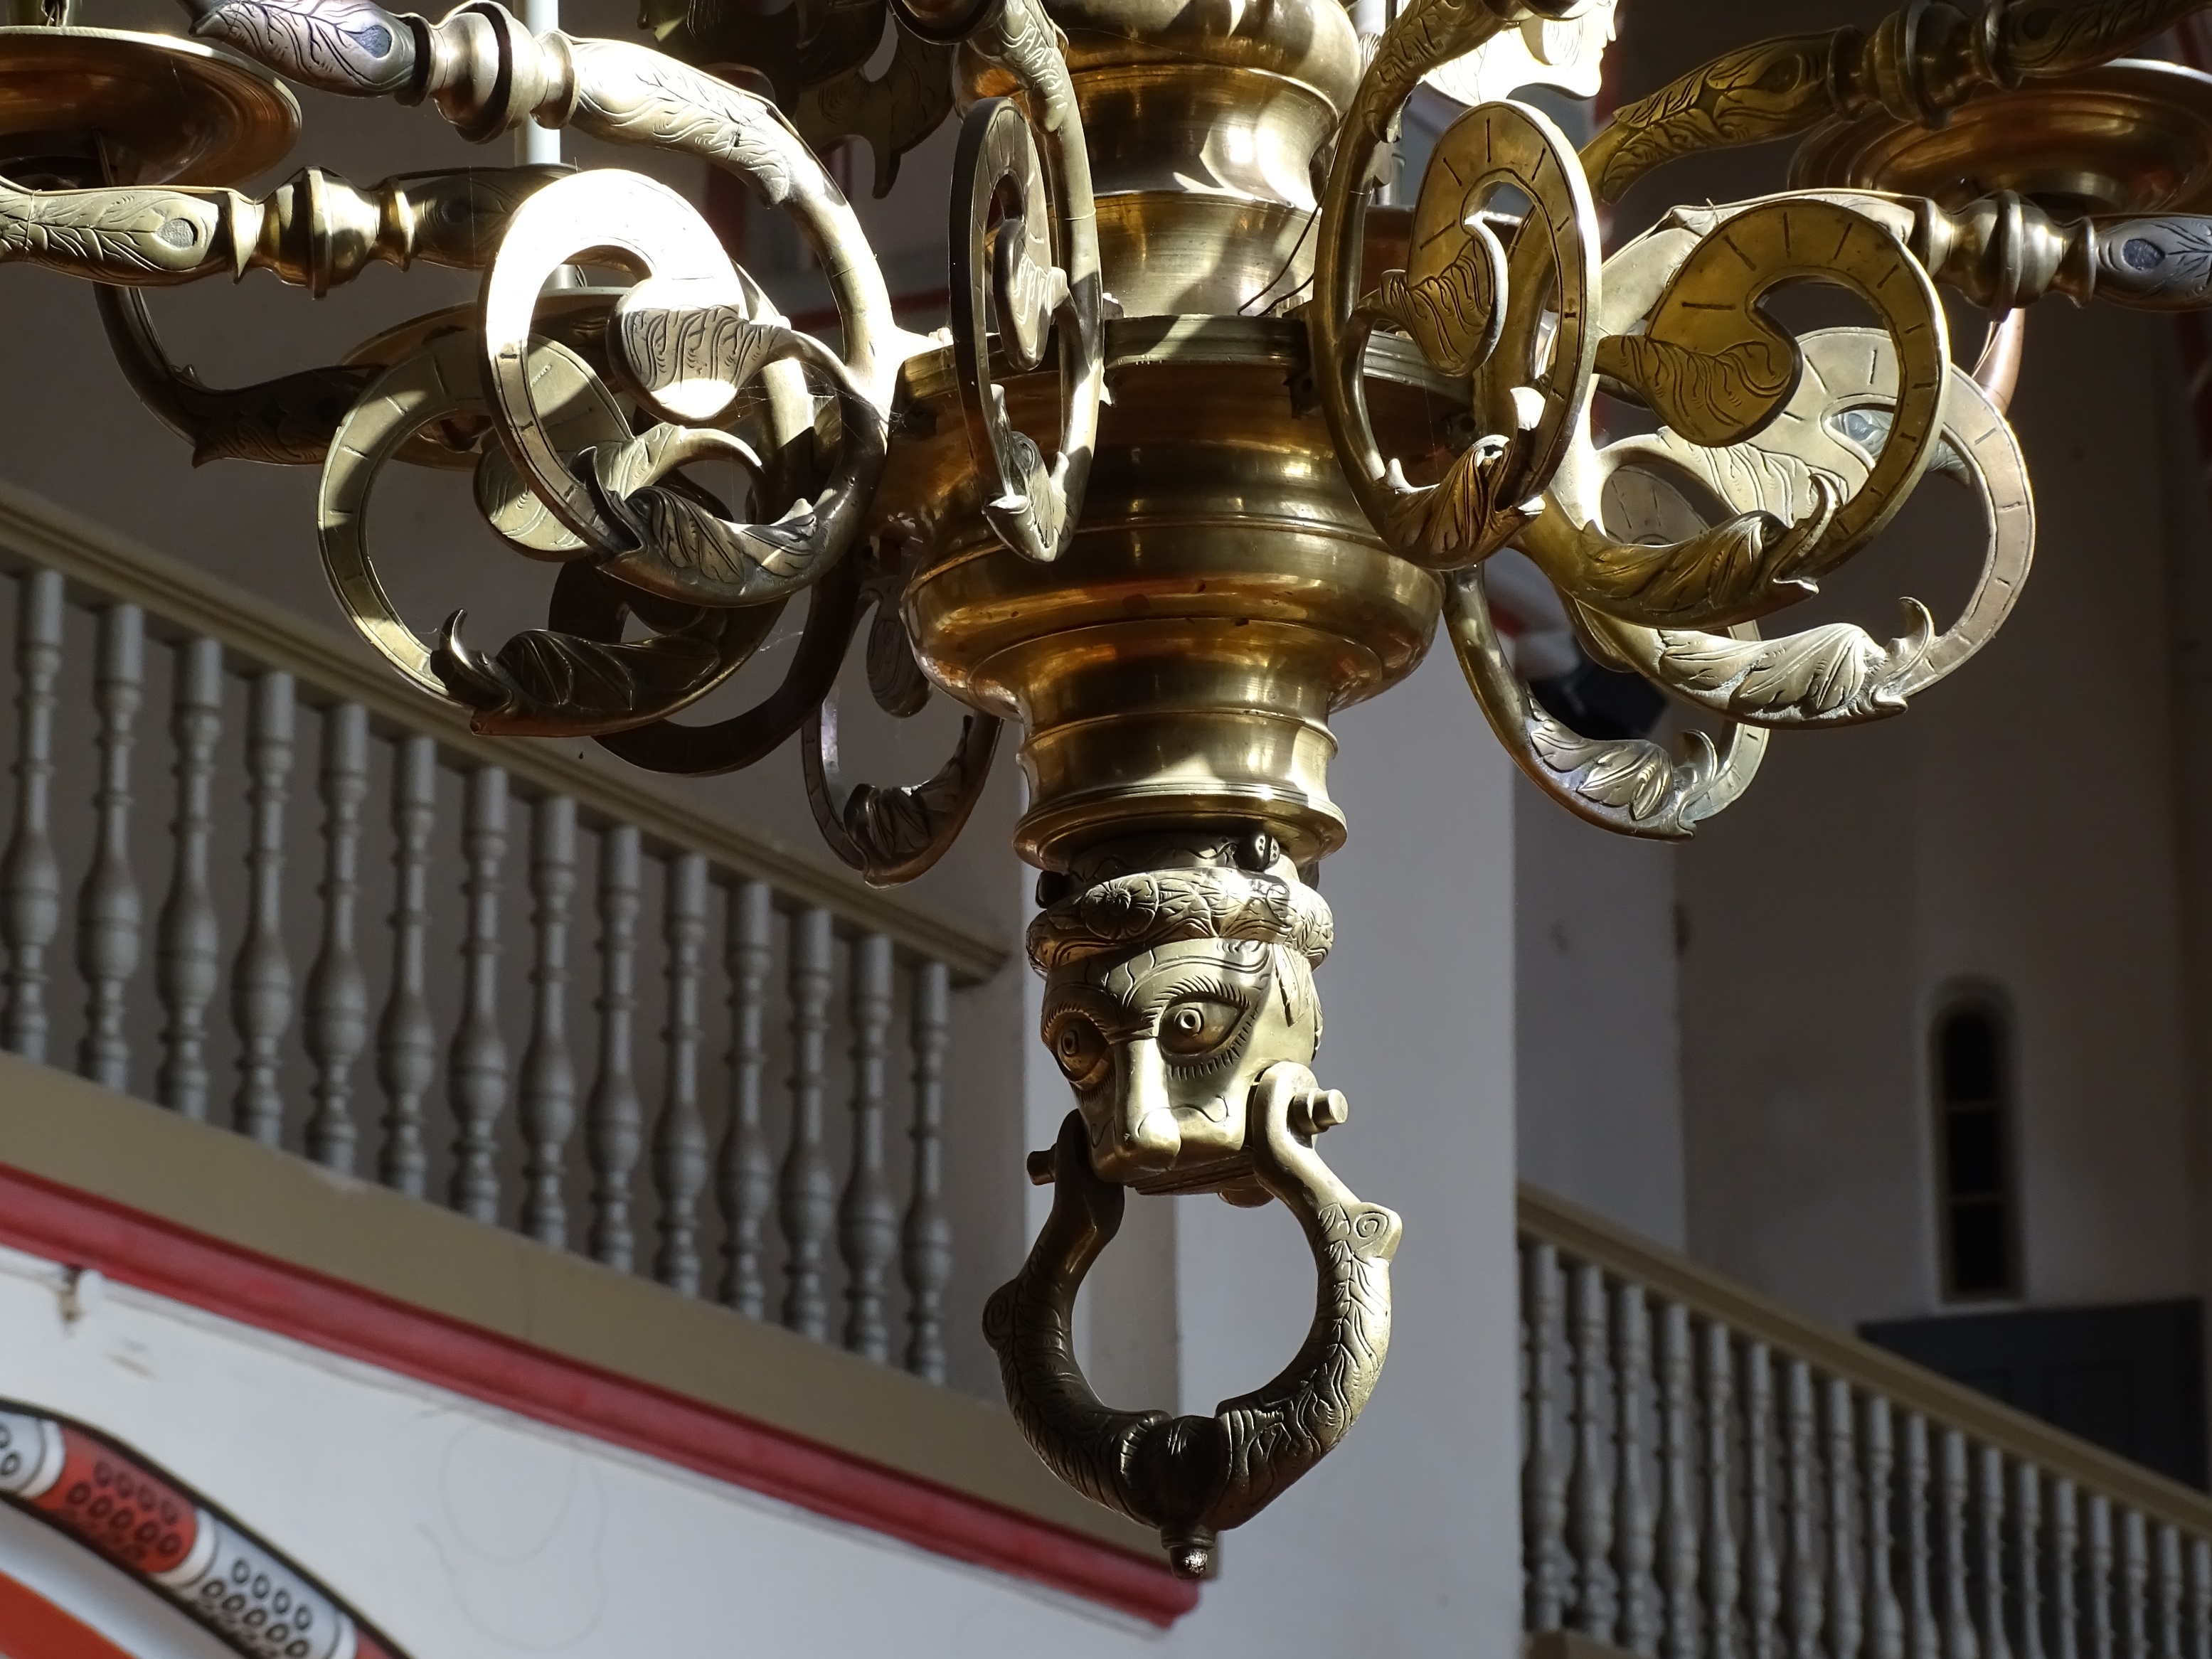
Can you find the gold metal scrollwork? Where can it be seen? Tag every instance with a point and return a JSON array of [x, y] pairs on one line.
[[1193, 1476], [1628, 785], [1041, 265], [1837, 674], [1517, 321]]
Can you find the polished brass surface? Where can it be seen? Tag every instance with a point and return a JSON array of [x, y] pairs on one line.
[[1223, 597], [1207, 453], [78, 105], [2127, 138]]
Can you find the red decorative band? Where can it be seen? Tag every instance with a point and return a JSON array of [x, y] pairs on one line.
[[80, 1230]]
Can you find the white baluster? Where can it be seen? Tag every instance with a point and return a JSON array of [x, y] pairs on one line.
[[1801, 1608], [2066, 1571], [926, 1234], [29, 873], [2027, 1558], [1842, 1589], [2169, 1592], [2135, 1581], [406, 1042], [475, 1064], [1718, 1573], [1632, 1548], [1589, 1512], [547, 1101], [613, 1117], [337, 992], [188, 960], [1922, 1634], [107, 914], [679, 1140], [1959, 1641], [1885, 1619], [1764, 1602], [1678, 1525], [1543, 1490], [2103, 1626], [1991, 1506], [261, 977], [745, 1175], [867, 1222], [806, 1193]]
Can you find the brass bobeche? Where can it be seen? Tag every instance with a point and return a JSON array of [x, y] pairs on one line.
[[1208, 452]]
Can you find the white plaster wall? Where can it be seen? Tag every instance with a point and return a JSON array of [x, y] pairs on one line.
[[1597, 1042]]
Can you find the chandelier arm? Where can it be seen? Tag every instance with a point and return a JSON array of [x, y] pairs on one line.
[[286, 422], [314, 231], [1191, 1477], [1919, 63], [1043, 274], [1427, 34], [1629, 785], [795, 49], [835, 607], [1838, 674], [892, 835]]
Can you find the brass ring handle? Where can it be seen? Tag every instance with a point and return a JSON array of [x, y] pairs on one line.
[[1191, 1477]]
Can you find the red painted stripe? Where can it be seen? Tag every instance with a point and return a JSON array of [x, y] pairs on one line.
[[32, 1627], [81, 1229]]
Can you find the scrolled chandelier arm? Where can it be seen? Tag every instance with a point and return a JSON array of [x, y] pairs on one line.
[[1169, 543]]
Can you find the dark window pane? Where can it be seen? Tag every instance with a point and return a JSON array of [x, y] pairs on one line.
[[1973, 1145], [1980, 1262], [1969, 1057]]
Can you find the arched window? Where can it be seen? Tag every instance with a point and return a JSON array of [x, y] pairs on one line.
[[1974, 1152]]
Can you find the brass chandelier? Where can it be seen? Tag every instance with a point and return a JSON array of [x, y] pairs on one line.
[[1210, 449]]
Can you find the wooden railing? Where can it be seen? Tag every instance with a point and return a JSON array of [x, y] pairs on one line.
[[1708, 1475], [711, 960]]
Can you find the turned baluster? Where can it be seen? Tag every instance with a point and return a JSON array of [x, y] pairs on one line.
[[2066, 1571], [1801, 1611], [2135, 1582], [30, 874], [1678, 1526], [1543, 1491], [806, 1193], [2169, 1592], [1718, 1573], [547, 1096], [188, 959], [1958, 1641], [1885, 1619], [261, 975], [744, 1178], [2102, 1624], [107, 913], [612, 1116], [925, 1235], [1631, 1513], [867, 1222], [1990, 1506], [679, 1139], [1590, 1514], [1924, 1636], [2027, 1559], [406, 1042], [1763, 1604], [337, 992], [1842, 1592], [475, 1063]]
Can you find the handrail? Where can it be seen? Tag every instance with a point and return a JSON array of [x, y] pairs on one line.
[[33, 530], [1588, 1238]]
